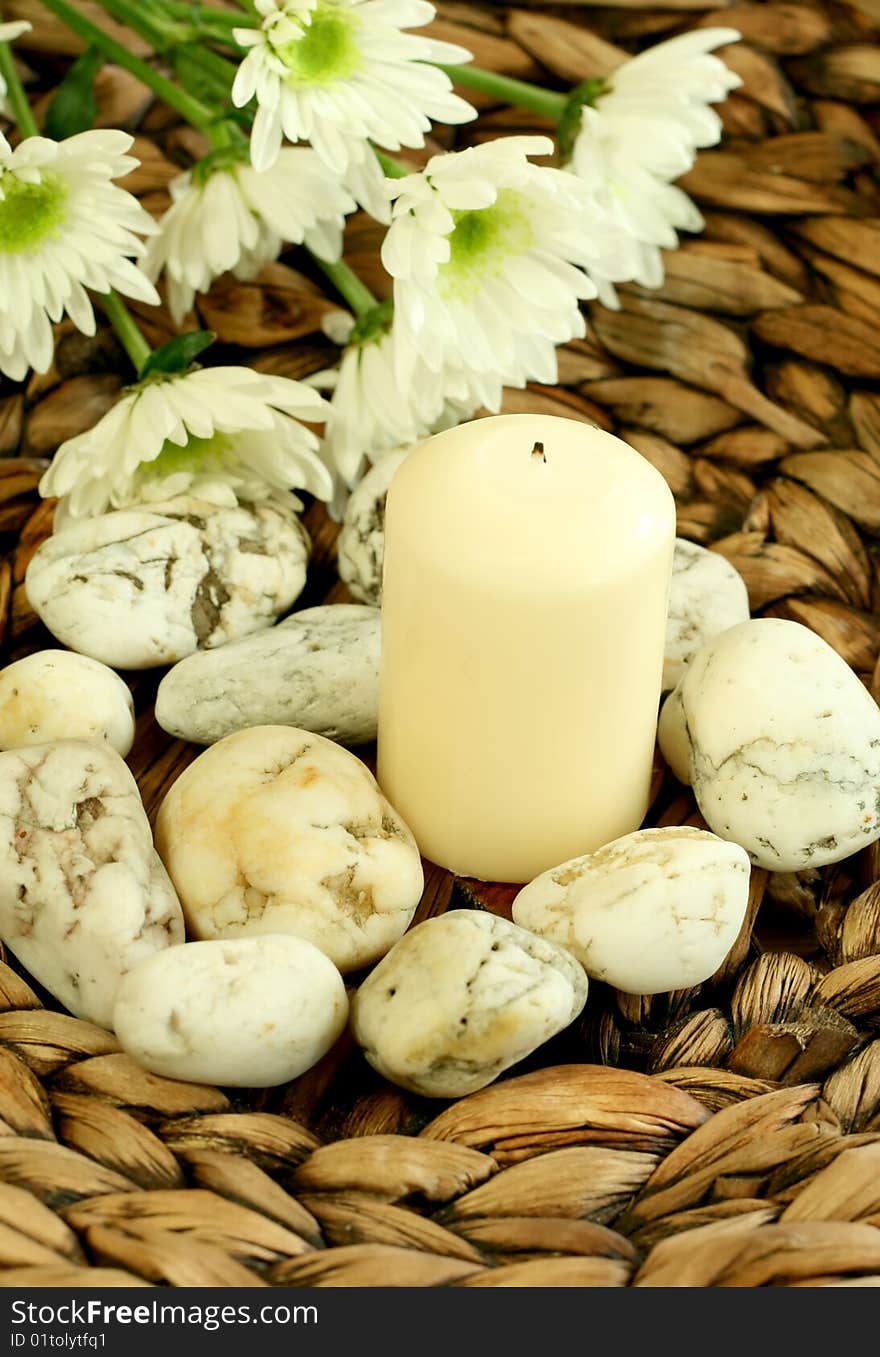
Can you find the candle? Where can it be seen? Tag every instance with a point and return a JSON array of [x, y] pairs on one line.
[[526, 580]]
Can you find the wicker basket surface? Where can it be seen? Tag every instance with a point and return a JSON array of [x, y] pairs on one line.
[[723, 1136]]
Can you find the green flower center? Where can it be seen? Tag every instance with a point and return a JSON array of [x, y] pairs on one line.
[[327, 50], [29, 213], [191, 458], [482, 241]]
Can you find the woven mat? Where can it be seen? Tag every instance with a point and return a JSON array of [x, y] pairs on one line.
[[727, 1135]]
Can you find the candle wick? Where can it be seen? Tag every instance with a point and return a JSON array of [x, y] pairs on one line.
[[538, 451]]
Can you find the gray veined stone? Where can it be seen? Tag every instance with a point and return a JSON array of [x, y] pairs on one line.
[[247, 1012], [277, 830], [59, 695], [83, 894], [672, 737], [361, 549], [782, 742], [654, 911], [318, 670], [143, 587], [706, 596], [460, 999]]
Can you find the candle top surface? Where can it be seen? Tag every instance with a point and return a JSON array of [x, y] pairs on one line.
[[552, 494]]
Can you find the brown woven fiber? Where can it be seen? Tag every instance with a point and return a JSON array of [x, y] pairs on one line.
[[727, 1135]]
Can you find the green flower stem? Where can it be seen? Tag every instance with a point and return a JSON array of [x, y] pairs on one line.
[[160, 29], [193, 110], [126, 328], [21, 109], [215, 69], [508, 91], [165, 35], [209, 14], [348, 285], [221, 136], [149, 21]]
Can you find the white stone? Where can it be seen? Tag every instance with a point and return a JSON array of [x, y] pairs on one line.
[[83, 895], [672, 737], [361, 547], [654, 911], [143, 587], [706, 596], [249, 1012], [59, 695], [318, 669], [784, 745], [276, 830], [462, 998]]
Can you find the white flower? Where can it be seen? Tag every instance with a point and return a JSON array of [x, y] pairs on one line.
[[373, 412], [491, 258], [341, 74], [337, 326], [370, 414], [643, 132], [222, 433], [226, 215], [8, 33], [64, 227], [668, 89]]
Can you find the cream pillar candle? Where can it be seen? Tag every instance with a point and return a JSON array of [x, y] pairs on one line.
[[527, 567]]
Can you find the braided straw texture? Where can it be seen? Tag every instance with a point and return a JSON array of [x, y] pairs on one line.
[[723, 1136]]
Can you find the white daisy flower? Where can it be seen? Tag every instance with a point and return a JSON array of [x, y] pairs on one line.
[[64, 227], [491, 257], [372, 412], [224, 433], [369, 412], [341, 74], [8, 33], [225, 215], [668, 88], [643, 132]]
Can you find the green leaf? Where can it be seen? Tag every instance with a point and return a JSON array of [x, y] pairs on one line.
[[73, 107], [178, 353]]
